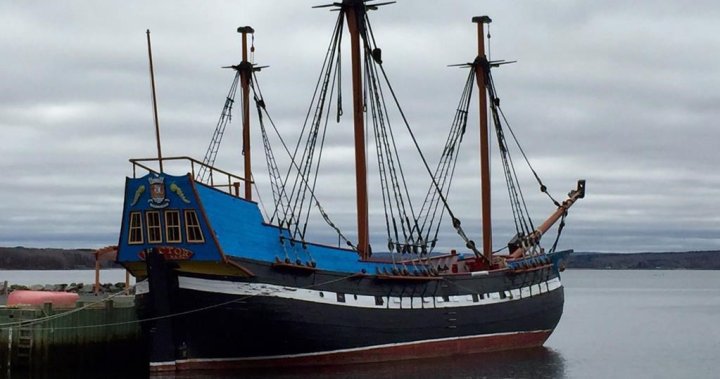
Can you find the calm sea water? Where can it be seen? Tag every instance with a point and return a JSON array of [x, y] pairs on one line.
[[616, 324]]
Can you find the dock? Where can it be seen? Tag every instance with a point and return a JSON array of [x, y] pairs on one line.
[[98, 331]]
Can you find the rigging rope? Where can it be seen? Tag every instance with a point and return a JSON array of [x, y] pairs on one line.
[[470, 244], [448, 160], [275, 178], [524, 225], [407, 231], [298, 192], [455, 221], [59, 315], [543, 188], [390, 167], [421, 224], [225, 119], [196, 310]]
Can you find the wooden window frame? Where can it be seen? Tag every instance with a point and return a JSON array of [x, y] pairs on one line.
[[157, 227], [135, 228], [194, 224], [177, 226]]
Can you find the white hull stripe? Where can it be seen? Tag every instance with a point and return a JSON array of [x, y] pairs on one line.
[[355, 349], [364, 301], [166, 363]]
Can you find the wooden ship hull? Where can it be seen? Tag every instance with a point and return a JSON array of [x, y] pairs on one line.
[[219, 285], [351, 322], [231, 299]]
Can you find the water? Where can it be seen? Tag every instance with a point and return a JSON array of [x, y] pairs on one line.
[[640, 324], [616, 324]]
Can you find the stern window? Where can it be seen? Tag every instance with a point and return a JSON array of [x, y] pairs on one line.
[[154, 230], [135, 235], [192, 227], [172, 226]]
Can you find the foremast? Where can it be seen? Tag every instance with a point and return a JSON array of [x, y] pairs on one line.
[[246, 69], [528, 241]]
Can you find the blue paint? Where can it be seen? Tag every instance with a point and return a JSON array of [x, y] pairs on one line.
[[178, 196], [237, 224], [557, 258], [241, 232]]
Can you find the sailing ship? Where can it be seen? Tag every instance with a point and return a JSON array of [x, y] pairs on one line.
[[222, 285]]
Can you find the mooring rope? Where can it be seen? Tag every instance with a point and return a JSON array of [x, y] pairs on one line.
[[64, 314], [58, 315]]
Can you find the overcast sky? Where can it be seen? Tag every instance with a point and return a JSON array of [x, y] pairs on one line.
[[625, 94]]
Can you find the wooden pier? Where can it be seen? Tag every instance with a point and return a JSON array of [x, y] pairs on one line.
[[103, 332]]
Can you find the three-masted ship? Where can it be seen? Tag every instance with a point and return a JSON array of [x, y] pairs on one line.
[[222, 285]]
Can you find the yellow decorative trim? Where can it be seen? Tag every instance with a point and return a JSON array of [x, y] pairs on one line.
[[138, 193], [178, 191]]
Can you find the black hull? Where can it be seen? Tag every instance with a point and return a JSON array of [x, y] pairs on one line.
[[324, 318]]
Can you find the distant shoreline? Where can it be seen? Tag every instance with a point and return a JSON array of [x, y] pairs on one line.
[[23, 258], [688, 260]]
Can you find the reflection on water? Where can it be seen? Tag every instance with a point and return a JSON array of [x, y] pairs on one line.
[[530, 363], [542, 363], [616, 324]]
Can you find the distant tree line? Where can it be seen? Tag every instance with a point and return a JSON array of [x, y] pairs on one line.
[[22, 258], [694, 260]]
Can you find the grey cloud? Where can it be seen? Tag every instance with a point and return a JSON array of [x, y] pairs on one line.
[[621, 93]]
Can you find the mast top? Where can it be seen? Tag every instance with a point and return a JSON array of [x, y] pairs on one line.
[[482, 19], [355, 3], [246, 29]]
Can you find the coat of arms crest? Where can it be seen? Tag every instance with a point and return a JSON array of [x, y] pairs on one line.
[[157, 193]]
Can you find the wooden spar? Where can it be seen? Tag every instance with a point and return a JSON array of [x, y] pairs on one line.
[[245, 72], [484, 137], [573, 196], [354, 10], [154, 100], [110, 252]]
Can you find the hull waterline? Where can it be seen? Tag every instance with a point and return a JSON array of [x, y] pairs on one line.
[[223, 323]]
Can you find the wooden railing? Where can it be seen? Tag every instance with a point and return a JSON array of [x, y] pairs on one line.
[[216, 177]]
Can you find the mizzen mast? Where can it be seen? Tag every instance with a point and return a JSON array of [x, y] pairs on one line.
[[480, 73], [154, 101]]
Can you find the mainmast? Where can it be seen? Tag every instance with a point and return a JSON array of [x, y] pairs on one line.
[[481, 65], [355, 13], [246, 70]]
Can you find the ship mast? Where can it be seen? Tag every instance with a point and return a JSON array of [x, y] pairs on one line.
[[482, 62], [245, 72], [355, 13], [154, 101]]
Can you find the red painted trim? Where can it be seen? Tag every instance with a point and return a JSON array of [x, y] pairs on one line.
[[419, 350], [164, 367]]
